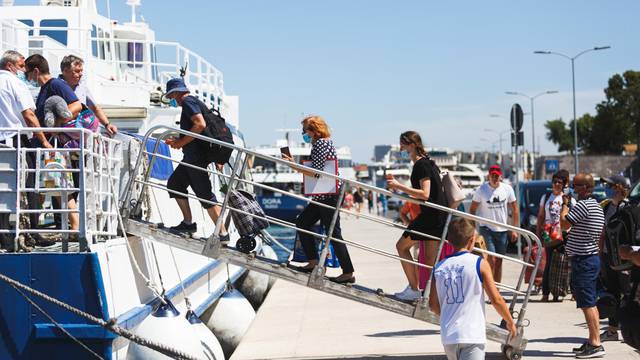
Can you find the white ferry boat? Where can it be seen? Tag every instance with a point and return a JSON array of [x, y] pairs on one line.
[[284, 178], [115, 277]]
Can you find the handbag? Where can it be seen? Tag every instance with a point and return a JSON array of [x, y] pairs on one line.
[[452, 191]]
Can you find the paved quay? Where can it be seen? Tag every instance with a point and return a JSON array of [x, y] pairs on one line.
[[296, 322]]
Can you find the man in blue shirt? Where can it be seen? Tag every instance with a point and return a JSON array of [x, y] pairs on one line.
[[191, 119], [37, 72]]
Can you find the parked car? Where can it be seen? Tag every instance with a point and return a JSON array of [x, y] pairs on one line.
[[532, 191]]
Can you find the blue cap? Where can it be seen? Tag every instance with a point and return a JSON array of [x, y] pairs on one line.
[[176, 85]]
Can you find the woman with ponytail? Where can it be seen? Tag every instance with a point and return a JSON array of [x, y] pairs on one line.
[[426, 185]]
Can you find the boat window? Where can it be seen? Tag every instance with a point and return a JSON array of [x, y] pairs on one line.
[[134, 54], [94, 42], [29, 23], [57, 35], [100, 43], [107, 43]]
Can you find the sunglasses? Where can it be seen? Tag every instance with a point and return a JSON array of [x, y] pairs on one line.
[[558, 181], [577, 185]]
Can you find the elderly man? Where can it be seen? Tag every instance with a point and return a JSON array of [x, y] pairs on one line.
[[492, 200], [72, 68], [17, 111], [585, 221]]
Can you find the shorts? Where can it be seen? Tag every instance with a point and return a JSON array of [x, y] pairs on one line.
[[496, 240], [464, 351], [422, 225], [184, 177], [584, 277]]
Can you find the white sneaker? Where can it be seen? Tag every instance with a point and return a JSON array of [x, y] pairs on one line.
[[408, 294]]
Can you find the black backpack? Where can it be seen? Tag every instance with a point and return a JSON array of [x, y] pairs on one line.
[[622, 229], [217, 129]]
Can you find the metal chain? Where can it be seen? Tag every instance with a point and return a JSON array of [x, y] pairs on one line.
[[110, 325]]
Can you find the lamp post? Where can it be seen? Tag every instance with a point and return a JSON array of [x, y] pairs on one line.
[[573, 83], [533, 127]]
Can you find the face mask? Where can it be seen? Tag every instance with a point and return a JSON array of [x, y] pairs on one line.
[[173, 103], [306, 138], [404, 154], [21, 75]]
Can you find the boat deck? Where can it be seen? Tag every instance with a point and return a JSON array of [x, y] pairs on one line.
[[297, 322]]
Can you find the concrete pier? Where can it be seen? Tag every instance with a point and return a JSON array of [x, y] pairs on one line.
[[300, 323]]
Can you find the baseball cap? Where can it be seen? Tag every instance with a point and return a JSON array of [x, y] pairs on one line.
[[495, 169], [617, 180]]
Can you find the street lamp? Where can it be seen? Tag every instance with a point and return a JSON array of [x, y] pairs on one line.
[[573, 82], [533, 127]]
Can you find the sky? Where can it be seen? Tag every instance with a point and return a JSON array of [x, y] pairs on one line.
[[374, 69]]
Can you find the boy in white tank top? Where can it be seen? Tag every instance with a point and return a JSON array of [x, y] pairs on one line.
[[457, 295]]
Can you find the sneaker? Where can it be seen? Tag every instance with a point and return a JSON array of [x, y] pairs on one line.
[[609, 336], [183, 228], [224, 239], [408, 294], [591, 351], [580, 349]]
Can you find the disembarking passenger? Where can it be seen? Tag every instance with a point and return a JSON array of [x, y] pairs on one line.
[[426, 185], [37, 73], [316, 132], [17, 111], [72, 68], [457, 295], [183, 177]]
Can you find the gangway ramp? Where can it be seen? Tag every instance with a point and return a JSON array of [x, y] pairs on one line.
[[361, 294], [238, 178]]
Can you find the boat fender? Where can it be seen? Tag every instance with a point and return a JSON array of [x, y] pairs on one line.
[[165, 325], [254, 285], [210, 344], [229, 318]]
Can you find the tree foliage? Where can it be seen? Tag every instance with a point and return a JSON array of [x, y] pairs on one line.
[[617, 120]]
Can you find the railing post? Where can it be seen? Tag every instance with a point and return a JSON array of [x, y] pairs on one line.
[[132, 175], [212, 246], [319, 270], [18, 148], [82, 198], [443, 239]]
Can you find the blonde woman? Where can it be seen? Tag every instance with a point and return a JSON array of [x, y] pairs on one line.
[[316, 132]]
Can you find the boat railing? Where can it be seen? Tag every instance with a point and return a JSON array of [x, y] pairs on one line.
[[87, 169], [521, 293], [148, 63]]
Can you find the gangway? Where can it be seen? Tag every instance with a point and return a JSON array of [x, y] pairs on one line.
[[512, 347]]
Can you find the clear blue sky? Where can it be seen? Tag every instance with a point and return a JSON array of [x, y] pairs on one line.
[[376, 68]]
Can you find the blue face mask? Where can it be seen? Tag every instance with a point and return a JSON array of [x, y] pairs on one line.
[[306, 138], [404, 154], [22, 76], [173, 103]]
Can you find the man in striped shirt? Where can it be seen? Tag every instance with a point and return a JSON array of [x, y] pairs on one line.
[[584, 221]]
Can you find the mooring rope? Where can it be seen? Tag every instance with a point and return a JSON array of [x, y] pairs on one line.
[[110, 324]]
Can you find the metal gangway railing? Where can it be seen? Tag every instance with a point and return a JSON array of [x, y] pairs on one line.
[[88, 169], [512, 346]]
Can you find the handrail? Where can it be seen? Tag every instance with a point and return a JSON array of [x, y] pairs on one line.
[[160, 132]]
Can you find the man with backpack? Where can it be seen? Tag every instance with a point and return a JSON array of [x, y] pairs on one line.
[[196, 153], [616, 283]]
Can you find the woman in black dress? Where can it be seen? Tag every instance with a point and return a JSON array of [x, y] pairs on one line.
[[426, 185], [316, 132]]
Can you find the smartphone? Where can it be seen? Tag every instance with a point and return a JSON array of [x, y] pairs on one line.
[[285, 151]]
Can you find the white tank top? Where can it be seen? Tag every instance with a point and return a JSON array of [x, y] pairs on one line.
[[461, 296]]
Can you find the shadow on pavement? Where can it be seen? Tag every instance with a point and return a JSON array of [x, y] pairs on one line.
[[404, 333]]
